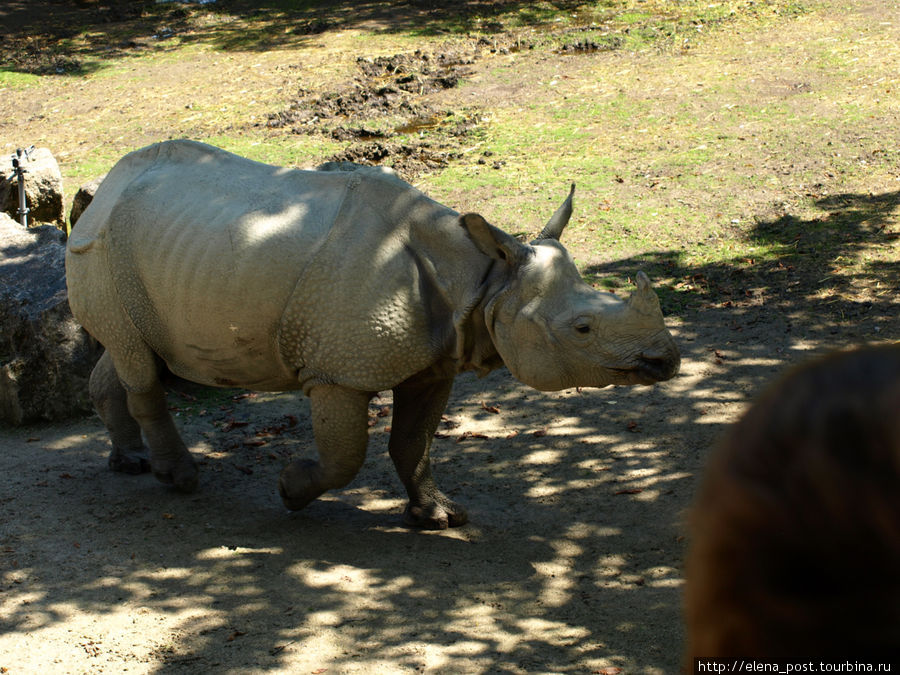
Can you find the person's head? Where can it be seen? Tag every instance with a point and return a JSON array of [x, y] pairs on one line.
[[795, 534]]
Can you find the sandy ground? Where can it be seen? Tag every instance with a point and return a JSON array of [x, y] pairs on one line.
[[572, 561]]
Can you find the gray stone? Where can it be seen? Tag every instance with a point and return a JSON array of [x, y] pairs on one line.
[[45, 357], [82, 198], [43, 190]]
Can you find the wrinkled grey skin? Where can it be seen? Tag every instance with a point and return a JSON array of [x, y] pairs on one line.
[[340, 283]]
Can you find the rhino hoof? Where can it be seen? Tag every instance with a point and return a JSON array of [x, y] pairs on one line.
[[297, 485], [182, 476], [129, 462], [435, 516]]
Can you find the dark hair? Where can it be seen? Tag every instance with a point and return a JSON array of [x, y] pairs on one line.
[[795, 533]]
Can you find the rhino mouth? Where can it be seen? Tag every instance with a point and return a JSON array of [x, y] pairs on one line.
[[649, 370]]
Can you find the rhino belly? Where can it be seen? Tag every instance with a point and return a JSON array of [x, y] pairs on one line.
[[236, 360]]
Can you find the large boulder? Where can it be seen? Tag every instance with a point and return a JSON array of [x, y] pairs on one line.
[[43, 190], [45, 356]]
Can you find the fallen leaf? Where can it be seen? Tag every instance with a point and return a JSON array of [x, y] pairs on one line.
[[490, 408], [233, 424], [469, 434], [168, 516], [234, 635], [66, 475], [385, 411], [539, 433], [633, 426], [243, 469], [291, 420], [629, 491], [512, 434], [254, 442], [30, 439]]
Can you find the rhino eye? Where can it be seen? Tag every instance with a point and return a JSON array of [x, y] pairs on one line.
[[583, 328]]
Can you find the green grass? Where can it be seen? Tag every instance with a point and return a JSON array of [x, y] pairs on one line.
[[14, 80]]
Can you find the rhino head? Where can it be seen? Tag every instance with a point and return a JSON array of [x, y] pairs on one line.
[[552, 330]]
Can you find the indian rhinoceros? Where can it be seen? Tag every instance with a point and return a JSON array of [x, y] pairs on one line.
[[341, 284]]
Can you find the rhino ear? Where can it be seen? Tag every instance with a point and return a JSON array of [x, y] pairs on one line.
[[493, 241], [558, 221]]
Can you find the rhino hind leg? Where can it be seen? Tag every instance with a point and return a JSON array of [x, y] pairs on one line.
[[129, 454], [142, 411], [170, 460], [340, 426], [418, 406]]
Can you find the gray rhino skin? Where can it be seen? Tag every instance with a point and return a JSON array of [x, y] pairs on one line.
[[340, 283]]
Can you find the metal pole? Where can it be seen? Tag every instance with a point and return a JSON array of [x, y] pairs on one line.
[[20, 172]]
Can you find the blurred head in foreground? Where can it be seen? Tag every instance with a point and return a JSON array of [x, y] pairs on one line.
[[796, 529]]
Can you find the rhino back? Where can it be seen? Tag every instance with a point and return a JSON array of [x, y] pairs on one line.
[[204, 248], [239, 273]]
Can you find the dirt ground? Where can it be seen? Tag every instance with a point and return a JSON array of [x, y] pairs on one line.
[[572, 560]]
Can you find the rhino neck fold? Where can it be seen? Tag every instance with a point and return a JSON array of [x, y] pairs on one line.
[[460, 280], [475, 348]]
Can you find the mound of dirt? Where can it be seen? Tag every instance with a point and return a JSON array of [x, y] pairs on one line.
[[389, 87]]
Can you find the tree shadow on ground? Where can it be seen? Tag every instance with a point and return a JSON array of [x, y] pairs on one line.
[[572, 561], [816, 270], [62, 38]]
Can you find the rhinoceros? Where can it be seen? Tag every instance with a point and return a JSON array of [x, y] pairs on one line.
[[341, 284]]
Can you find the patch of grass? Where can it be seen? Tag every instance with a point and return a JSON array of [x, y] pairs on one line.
[[15, 80], [292, 151]]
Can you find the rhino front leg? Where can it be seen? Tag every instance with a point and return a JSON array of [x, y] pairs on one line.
[[129, 455], [418, 406], [340, 426]]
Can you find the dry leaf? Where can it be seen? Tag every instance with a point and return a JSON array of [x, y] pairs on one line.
[[470, 434], [233, 424], [490, 408]]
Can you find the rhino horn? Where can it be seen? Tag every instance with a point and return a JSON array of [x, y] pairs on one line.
[[558, 221], [643, 299]]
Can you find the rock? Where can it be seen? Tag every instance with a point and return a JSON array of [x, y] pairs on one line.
[[43, 190], [82, 198], [45, 357]]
